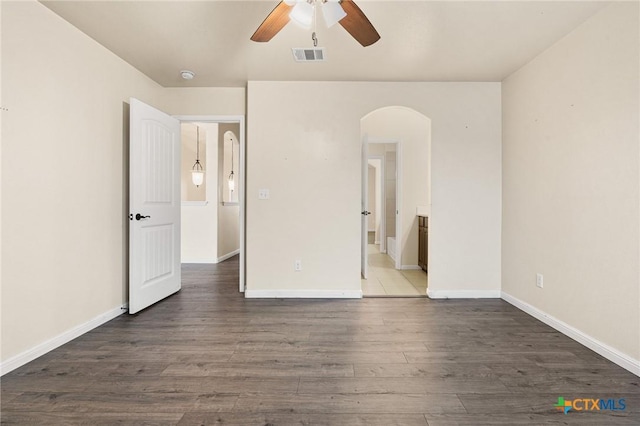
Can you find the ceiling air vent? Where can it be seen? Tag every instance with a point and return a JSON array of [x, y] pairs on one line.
[[315, 54]]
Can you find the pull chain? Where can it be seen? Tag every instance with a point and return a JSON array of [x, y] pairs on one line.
[[315, 25], [198, 144]]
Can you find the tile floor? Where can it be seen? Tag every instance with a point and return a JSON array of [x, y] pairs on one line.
[[386, 281]]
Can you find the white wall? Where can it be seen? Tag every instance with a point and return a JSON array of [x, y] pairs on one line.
[[199, 223], [413, 131], [571, 180], [64, 232], [312, 169]]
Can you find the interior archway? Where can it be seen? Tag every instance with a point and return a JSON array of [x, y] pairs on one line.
[[401, 138]]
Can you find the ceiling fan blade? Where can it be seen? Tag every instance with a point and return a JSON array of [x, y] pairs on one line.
[[277, 19], [358, 25]]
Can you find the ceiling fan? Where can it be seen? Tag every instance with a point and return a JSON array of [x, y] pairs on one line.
[[344, 12]]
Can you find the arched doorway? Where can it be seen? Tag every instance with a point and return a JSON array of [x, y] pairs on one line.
[[398, 139]]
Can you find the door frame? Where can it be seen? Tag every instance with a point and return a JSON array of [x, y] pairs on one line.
[[232, 119], [364, 204], [398, 143], [382, 212]]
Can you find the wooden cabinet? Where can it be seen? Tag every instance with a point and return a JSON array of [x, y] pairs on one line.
[[423, 242]]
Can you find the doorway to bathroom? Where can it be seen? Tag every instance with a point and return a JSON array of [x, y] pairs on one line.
[[395, 202]]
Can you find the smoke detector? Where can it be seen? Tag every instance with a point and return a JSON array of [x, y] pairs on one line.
[[315, 54], [187, 75]]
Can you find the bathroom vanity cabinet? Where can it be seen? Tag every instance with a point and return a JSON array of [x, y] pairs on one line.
[[423, 243]]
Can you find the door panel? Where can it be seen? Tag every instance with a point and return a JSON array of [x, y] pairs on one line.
[[154, 202]]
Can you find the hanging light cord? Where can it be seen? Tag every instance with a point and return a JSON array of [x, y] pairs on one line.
[[197, 144], [197, 165]]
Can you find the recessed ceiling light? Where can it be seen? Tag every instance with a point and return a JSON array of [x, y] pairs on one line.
[[187, 75]]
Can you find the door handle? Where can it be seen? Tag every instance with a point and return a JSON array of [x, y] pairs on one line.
[[365, 213], [139, 216]]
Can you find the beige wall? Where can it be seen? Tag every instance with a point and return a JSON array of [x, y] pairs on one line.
[[413, 131], [199, 223], [1, 161], [312, 168], [64, 230], [203, 101], [571, 180]]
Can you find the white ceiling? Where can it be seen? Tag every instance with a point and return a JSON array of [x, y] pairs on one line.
[[421, 40]]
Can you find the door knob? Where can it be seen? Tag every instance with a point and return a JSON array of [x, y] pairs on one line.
[[139, 216], [366, 213]]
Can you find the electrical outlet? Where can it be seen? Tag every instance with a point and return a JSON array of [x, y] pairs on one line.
[[539, 280], [297, 265]]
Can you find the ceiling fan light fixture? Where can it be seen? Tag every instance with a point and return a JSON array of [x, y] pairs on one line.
[[302, 13], [332, 12]]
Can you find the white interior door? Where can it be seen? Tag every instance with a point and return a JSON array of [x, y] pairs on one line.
[[365, 204], [154, 206]]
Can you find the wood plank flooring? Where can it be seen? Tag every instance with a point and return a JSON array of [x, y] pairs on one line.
[[208, 356]]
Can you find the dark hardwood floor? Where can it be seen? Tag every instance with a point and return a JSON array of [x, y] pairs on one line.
[[208, 356]]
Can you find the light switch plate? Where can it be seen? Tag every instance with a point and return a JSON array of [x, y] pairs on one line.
[[539, 281], [263, 194]]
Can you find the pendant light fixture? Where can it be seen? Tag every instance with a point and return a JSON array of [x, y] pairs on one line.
[[232, 183], [197, 171]]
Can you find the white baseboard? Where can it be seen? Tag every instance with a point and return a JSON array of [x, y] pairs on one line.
[[410, 268], [303, 294], [613, 355], [463, 294], [228, 256], [51, 344]]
